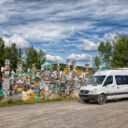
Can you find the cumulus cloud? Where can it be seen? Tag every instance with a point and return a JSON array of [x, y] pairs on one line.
[[44, 31], [38, 49], [54, 58], [110, 36], [82, 57], [46, 21], [18, 40], [88, 46], [42, 21], [62, 51]]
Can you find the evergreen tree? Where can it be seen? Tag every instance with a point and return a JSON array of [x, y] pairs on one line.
[[106, 51], [97, 61], [2, 58], [20, 54], [120, 54], [40, 59], [13, 56], [31, 56]]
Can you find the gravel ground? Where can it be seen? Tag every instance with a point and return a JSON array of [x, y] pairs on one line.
[[67, 114]]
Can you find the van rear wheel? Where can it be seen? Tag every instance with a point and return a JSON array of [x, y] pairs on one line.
[[101, 99]]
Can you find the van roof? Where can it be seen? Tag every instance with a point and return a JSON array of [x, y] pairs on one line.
[[111, 72]]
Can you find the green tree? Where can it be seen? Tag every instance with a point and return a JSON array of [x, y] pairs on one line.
[[40, 59], [11, 53], [31, 56], [97, 61], [2, 58], [13, 56], [120, 53], [7, 54], [106, 52], [20, 54]]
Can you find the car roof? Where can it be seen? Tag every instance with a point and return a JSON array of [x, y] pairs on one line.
[[111, 72]]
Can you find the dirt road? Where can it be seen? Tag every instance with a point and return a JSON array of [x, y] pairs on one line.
[[68, 114]]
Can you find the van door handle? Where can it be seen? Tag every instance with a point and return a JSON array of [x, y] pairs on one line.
[[118, 87]]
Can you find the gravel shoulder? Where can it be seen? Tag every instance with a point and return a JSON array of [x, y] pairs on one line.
[[66, 114]]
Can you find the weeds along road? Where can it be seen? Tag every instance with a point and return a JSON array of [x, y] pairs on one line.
[[67, 114]]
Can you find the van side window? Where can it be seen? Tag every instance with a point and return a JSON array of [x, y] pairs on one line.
[[109, 80], [121, 80]]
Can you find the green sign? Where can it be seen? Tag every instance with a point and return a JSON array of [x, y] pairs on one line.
[[105, 68]]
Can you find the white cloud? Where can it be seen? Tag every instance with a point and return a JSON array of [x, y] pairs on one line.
[[88, 46], [4, 10], [110, 36], [42, 21], [38, 49], [82, 57], [54, 58], [62, 51], [44, 31], [18, 40]]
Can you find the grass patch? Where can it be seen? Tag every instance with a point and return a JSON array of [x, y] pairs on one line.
[[11, 103]]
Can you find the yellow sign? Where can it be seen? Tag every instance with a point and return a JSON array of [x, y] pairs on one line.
[[31, 98], [19, 89], [46, 89], [33, 64], [29, 80], [117, 68], [79, 72], [33, 74], [33, 70], [34, 95], [42, 94], [65, 70], [87, 73]]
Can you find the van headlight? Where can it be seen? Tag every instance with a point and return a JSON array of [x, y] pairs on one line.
[[93, 91]]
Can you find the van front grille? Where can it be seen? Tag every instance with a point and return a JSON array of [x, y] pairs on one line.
[[84, 91]]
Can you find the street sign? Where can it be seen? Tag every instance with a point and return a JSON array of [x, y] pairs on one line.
[[95, 69], [7, 62], [6, 84], [79, 72]]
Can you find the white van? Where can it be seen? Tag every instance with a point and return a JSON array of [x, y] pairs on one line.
[[106, 85]]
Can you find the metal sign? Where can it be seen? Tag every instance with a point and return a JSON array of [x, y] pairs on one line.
[[7, 62], [95, 69], [2, 69], [79, 72], [6, 84]]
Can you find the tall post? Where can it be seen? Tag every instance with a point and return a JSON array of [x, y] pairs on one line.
[[58, 64], [68, 66]]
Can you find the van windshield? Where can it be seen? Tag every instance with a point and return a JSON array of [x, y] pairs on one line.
[[95, 80]]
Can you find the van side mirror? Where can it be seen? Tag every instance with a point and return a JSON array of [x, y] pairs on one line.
[[105, 83]]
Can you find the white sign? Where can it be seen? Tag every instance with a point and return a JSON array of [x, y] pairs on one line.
[[6, 84], [2, 69], [7, 62], [28, 70], [6, 72]]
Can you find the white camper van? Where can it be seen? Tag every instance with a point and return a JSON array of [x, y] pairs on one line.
[[106, 85]]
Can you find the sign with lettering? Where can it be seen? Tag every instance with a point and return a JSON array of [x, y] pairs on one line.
[[6, 84]]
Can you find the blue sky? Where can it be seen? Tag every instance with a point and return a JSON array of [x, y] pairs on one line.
[[64, 29]]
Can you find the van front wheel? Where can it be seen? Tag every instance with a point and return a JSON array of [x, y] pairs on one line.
[[101, 99], [86, 101]]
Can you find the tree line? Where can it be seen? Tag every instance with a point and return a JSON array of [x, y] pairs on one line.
[[114, 53], [29, 55], [111, 53]]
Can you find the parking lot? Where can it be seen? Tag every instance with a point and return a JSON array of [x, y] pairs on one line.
[[67, 114]]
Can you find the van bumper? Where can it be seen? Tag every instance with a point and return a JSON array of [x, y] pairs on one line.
[[88, 97]]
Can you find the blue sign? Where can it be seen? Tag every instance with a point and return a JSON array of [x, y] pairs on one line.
[[95, 69]]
